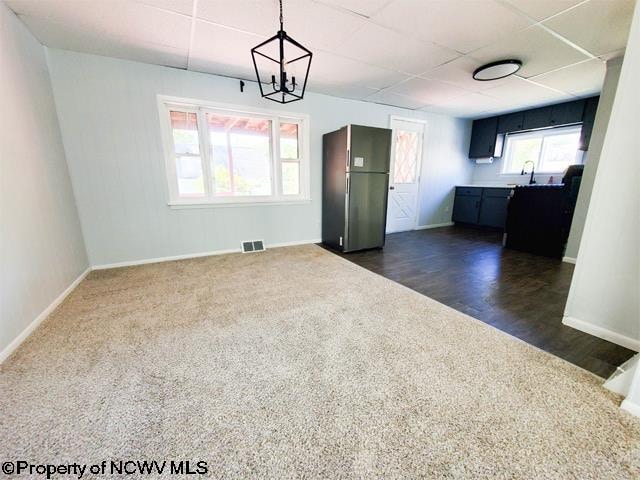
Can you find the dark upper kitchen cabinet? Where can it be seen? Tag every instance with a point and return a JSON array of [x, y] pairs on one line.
[[512, 122], [537, 118], [588, 119], [483, 138], [488, 134], [567, 113]]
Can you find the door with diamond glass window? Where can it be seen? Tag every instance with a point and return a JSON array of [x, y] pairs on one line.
[[404, 181]]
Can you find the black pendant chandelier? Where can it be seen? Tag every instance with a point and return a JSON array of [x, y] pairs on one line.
[[280, 63]]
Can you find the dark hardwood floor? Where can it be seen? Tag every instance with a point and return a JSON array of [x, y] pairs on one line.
[[519, 293]]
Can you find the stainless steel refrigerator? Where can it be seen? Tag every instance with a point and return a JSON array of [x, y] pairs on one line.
[[355, 185]]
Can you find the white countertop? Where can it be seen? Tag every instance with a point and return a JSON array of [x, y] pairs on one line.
[[488, 185]]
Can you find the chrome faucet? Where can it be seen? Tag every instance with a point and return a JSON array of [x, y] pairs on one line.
[[531, 179]]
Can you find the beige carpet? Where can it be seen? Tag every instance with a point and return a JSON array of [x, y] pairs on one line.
[[296, 363]]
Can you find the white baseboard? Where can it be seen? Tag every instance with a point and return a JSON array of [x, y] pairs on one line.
[[605, 334], [434, 225], [569, 260], [632, 407], [194, 255], [9, 349]]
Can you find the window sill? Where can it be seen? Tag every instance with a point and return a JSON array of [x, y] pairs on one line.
[[189, 205]]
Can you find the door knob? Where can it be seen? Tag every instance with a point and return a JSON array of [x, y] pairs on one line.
[[392, 187]]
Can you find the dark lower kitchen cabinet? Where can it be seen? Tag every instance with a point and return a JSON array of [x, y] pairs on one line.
[[483, 138], [466, 206], [485, 207], [493, 207]]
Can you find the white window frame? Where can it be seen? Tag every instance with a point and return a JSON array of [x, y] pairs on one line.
[[549, 132], [201, 107]]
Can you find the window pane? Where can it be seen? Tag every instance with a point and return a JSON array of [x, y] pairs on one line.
[[190, 179], [185, 132], [240, 155], [521, 150], [290, 178], [289, 141], [405, 166], [559, 151]]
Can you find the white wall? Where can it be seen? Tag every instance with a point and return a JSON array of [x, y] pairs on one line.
[[592, 156], [41, 250], [111, 132], [604, 298], [490, 173]]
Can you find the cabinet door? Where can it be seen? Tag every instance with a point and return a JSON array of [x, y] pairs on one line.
[[483, 138], [513, 122], [588, 119], [567, 113], [537, 118], [466, 208], [493, 211]]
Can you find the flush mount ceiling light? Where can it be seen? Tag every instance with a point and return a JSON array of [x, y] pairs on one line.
[[496, 70], [278, 61]]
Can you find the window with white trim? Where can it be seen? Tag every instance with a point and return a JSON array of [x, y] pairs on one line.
[[551, 150], [226, 155]]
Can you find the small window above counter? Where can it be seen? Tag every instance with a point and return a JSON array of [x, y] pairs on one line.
[[487, 135]]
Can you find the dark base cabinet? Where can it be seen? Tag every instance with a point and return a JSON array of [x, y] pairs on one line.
[[486, 207]]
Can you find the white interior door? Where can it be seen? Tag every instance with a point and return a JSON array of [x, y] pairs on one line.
[[404, 181]]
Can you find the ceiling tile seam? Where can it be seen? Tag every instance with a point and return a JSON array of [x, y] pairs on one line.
[[540, 23], [577, 47], [162, 9], [544, 86], [229, 27], [192, 31], [553, 70]]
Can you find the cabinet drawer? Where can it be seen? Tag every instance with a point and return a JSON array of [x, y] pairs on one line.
[[496, 192], [469, 191]]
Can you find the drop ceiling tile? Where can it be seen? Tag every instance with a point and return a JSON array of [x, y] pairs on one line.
[[380, 46], [584, 78], [388, 98], [219, 50], [83, 39], [474, 102], [184, 7], [459, 25], [256, 16], [309, 23], [140, 23], [541, 9], [361, 7], [598, 26], [518, 91], [355, 92], [459, 72], [538, 50], [453, 111], [427, 91], [338, 70]]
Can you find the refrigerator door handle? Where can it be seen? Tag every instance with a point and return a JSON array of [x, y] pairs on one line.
[[347, 187]]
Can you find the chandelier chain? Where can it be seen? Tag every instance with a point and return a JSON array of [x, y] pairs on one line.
[[281, 21]]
